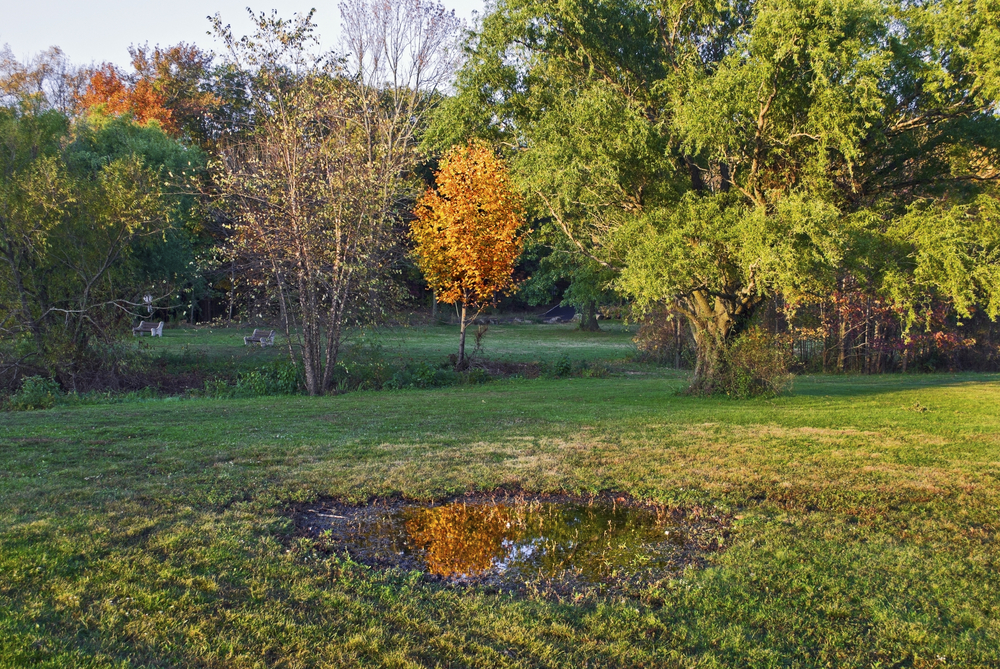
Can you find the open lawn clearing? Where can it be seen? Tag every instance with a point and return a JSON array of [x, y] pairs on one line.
[[518, 343], [211, 346], [154, 533]]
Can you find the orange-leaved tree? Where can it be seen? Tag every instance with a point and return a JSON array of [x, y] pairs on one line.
[[468, 232], [111, 90]]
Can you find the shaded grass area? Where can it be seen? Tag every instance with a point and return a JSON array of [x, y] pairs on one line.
[[516, 343], [155, 533], [214, 348]]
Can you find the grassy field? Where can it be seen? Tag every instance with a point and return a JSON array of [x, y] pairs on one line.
[[155, 533], [219, 348]]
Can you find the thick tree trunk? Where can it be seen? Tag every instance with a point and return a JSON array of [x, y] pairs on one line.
[[715, 322], [709, 348], [588, 319]]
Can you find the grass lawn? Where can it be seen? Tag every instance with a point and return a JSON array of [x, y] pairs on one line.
[[154, 533], [214, 348]]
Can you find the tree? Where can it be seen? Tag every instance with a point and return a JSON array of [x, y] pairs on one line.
[[49, 80], [80, 205], [572, 278], [110, 91], [467, 232], [180, 76], [314, 174], [718, 154]]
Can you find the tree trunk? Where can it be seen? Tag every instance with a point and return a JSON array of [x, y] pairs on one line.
[[841, 342], [709, 347], [461, 341], [715, 322], [232, 291], [310, 353], [677, 342], [588, 319]]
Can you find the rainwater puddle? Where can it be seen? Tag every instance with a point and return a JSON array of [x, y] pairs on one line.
[[561, 542]]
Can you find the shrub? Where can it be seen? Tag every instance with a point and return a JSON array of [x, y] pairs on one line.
[[563, 366], [594, 370], [422, 375], [276, 378], [476, 376], [279, 377], [755, 365], [361, 367], [36, 392], [663, 337], [217, 387]]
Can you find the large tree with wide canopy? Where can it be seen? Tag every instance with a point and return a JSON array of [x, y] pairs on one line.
[[717, 153]]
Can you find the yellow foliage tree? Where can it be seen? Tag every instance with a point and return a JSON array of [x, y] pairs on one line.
[[468, 232]]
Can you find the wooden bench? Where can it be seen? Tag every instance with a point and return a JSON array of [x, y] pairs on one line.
[[262, 337], [154, 329]]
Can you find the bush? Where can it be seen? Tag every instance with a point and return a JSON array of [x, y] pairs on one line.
[[755, 365], [361, 367], [36, 392], [563, 366], [422, 375], [477, 376], [594, 370], [277, 378], [662, 335], [218, 388]]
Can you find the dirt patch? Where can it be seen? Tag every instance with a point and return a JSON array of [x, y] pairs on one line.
[[521, 542]]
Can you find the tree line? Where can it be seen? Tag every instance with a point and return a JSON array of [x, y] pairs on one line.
[[828, 166]]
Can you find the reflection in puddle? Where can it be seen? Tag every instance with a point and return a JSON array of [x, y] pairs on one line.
[[518, 540]]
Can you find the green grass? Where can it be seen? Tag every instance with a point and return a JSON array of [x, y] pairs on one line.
[[515, 343], [218, 349], [153, 533]]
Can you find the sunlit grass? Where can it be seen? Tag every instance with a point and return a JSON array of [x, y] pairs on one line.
[[154, 533]]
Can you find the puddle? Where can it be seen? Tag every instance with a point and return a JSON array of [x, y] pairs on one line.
[[562, 542]]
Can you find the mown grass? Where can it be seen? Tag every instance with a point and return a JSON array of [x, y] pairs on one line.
[[155, 533], [221, 348]]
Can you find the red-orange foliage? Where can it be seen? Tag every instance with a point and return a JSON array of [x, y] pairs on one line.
[[176, 74], [467, 232], [109, 89], [459, 538]]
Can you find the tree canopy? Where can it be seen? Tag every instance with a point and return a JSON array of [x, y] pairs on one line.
[[716, 154], [468, 231]]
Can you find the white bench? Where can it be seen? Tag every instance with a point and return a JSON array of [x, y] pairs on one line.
[[154, 329], [262, 337]]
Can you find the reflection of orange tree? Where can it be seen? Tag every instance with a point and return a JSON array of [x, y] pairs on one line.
[[460, 539]]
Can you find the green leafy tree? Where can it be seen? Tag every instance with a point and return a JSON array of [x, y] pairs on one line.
[[575, 280], [717, 154], [80, 207]]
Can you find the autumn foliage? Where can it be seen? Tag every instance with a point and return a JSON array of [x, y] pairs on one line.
[[109, 89], [467, 232], [460, 538]]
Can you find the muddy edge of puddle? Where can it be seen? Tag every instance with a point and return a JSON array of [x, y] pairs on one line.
[[336, 525]]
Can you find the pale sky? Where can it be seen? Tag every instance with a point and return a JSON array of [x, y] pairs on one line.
[[102, 30]]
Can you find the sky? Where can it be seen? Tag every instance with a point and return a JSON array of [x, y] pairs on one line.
[[95, 31]]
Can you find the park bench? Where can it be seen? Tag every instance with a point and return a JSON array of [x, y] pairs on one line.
[[154, 329], [262, 337]]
